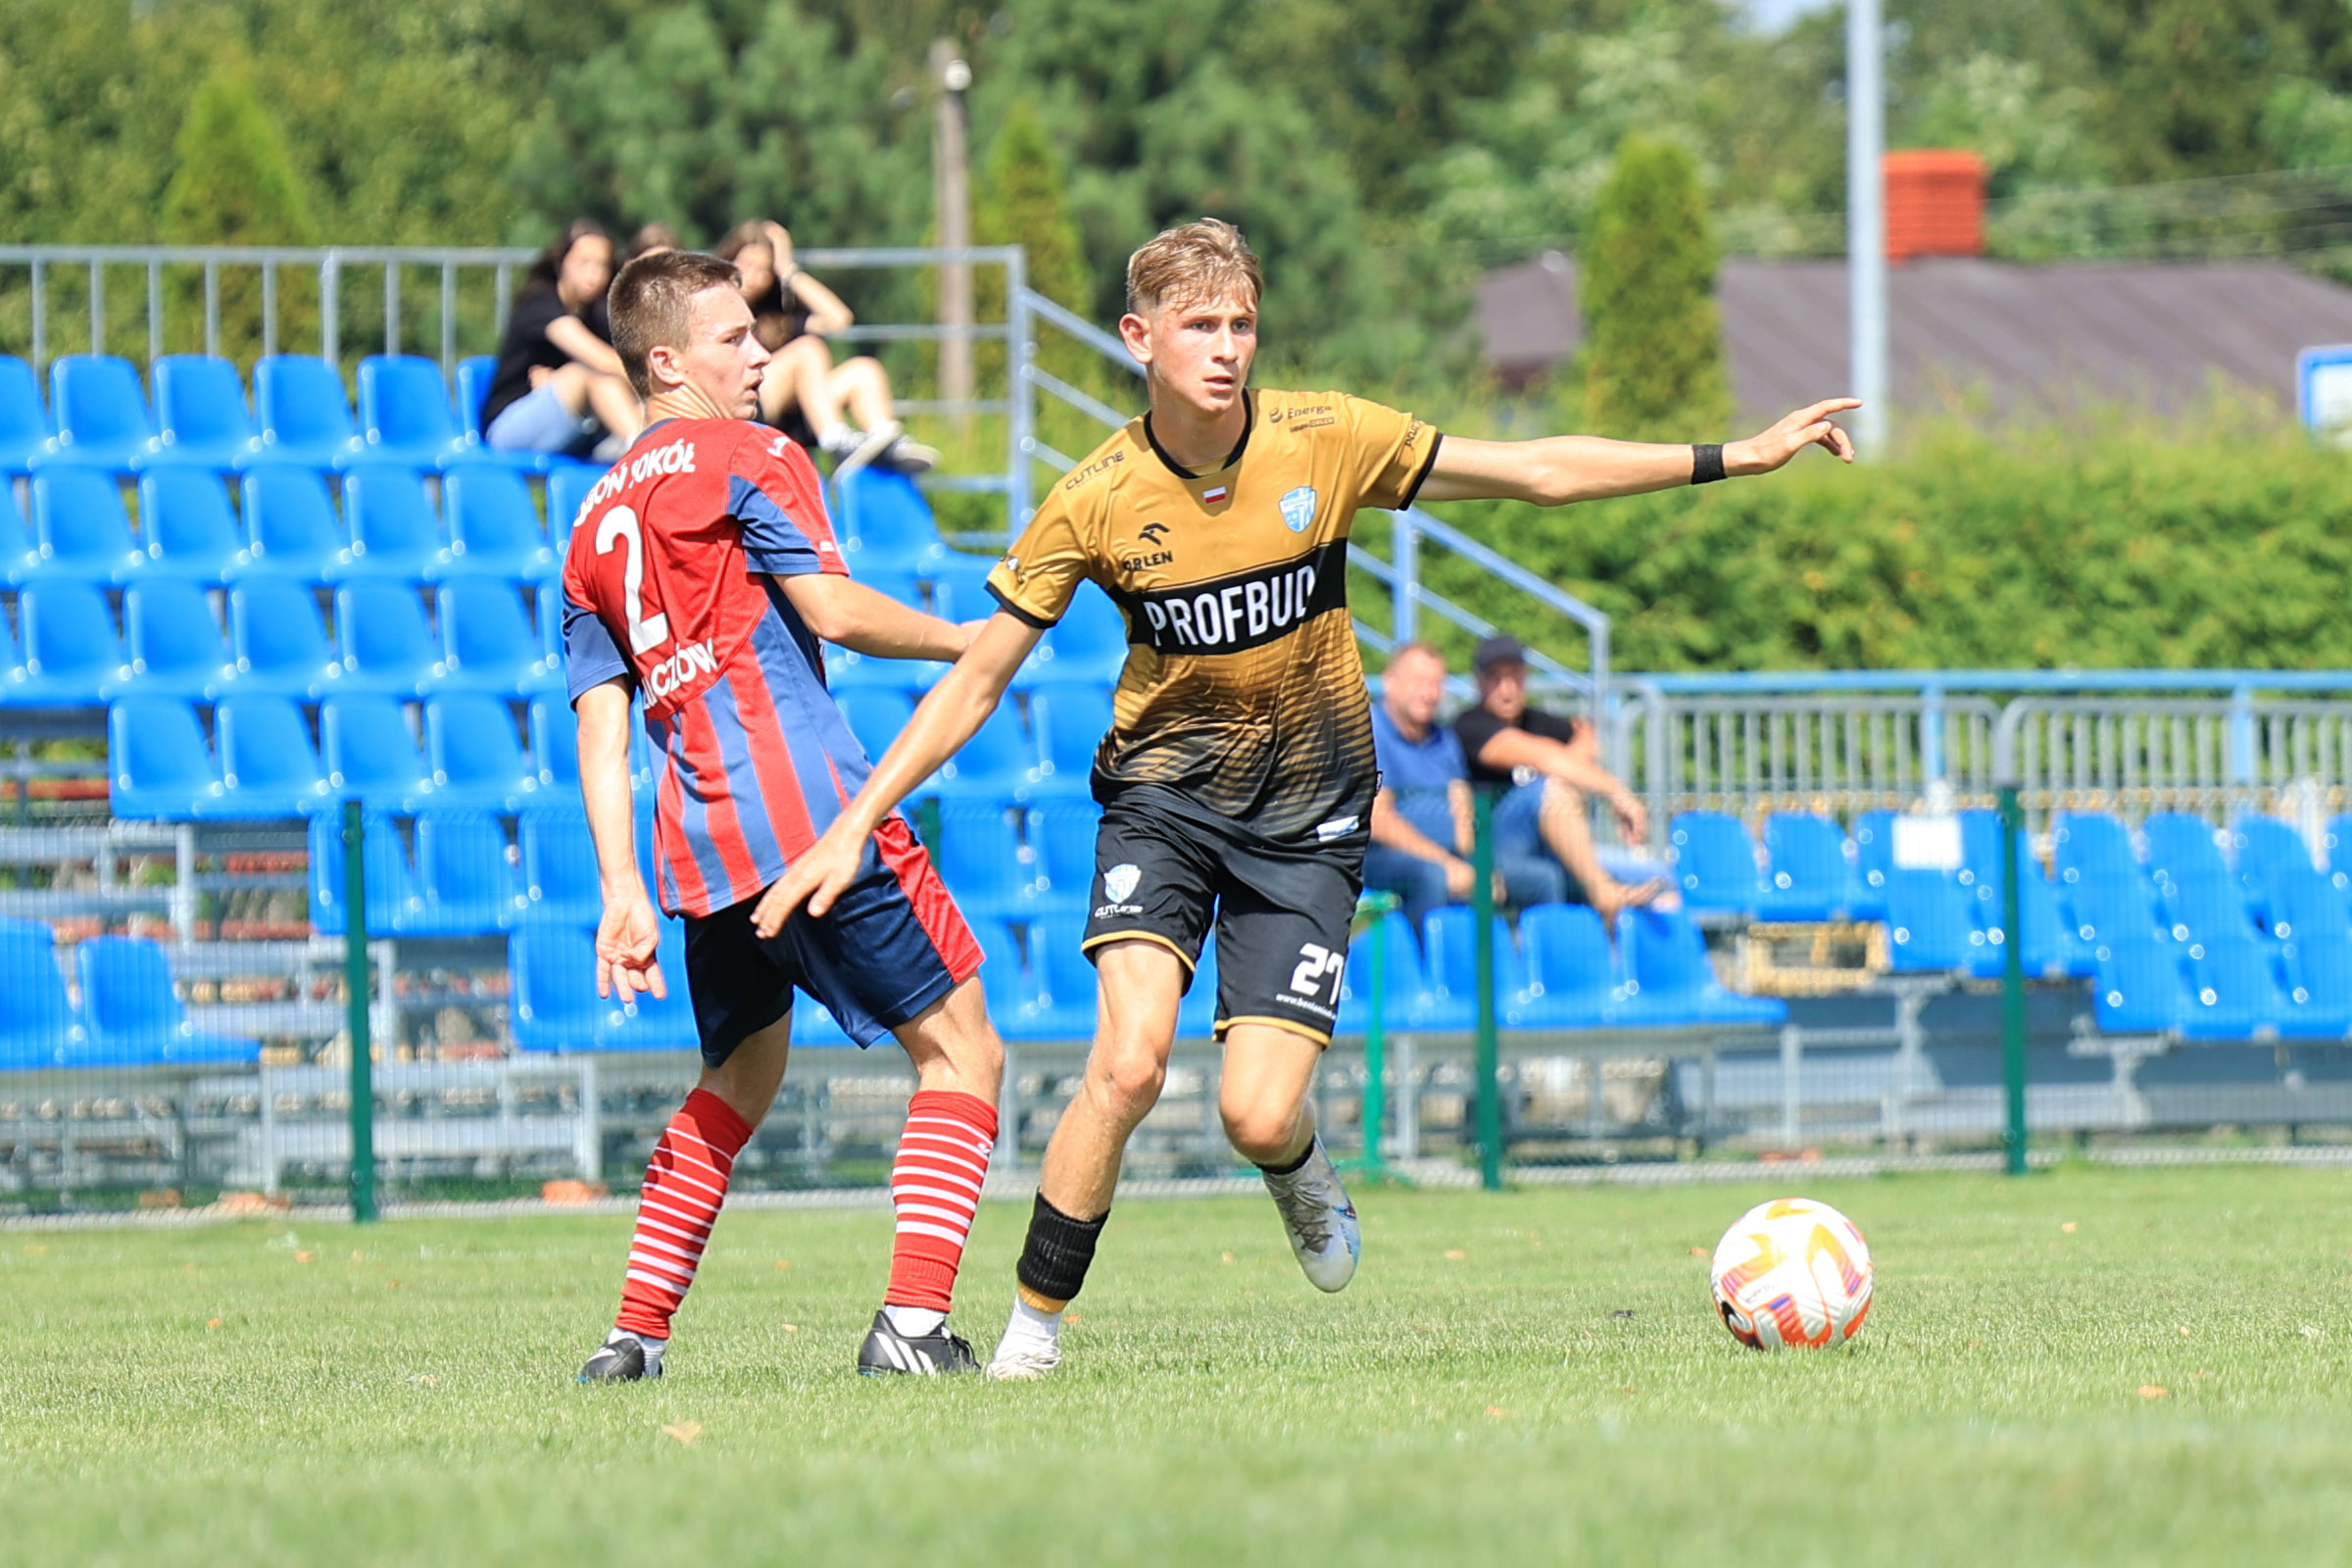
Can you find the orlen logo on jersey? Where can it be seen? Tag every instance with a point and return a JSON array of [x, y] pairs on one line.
[[1248, 609], [681, 667]]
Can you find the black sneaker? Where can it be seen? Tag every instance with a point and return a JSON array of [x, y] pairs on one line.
[[620, 1360], [886, 1351]]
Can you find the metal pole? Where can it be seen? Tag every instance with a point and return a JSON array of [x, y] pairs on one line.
[[1404, 608], [1020, 391], [97, 307], [1481, 907], [356, 980], [2013, 983], [155, 311], [1865, 218], [951, 186], [40, 321], [449, 321], [211, 307]]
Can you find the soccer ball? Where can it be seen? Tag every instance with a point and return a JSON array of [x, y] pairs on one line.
[[1792, 1272]]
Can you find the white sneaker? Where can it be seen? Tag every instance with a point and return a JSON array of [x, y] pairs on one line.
[[874, 445], [1324, 1235], [1024, 1362]]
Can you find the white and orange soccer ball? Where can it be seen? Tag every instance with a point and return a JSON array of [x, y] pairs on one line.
[[1792, 1272]]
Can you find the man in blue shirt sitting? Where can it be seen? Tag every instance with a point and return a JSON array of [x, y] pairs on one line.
[[1421, 819]]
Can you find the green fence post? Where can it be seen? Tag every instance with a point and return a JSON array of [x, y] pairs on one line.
[[2013, 983], [1374, 908], [1490, 1090], [356, 980]]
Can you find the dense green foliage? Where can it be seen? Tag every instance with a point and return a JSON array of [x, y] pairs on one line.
[[2097, 1366], [1653, 347]]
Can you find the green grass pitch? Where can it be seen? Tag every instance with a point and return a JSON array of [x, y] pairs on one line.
[[1536, 1376]]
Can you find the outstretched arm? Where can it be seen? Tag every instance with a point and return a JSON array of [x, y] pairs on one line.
[[1515, 748], [950, 715], [628, 932], [865, 620], [1557, 469]]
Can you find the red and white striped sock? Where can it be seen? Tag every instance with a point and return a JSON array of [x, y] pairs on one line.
[[935, 1187], [685, 1182]]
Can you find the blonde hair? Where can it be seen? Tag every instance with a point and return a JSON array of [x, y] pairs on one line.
[[1203, 259]]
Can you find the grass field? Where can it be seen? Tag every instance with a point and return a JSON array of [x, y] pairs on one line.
[[1533, 1377]]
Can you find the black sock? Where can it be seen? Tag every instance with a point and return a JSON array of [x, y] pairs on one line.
[[1295, 1165], [1056, 1257]]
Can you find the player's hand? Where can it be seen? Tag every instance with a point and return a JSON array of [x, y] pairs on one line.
[[627, 939], [972, 630], [1633, 817], [779, 246], [1806, 427], [815, 880], [539, 376]]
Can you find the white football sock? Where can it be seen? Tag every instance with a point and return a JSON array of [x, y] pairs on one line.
[[837, 438], [915, 1321], [652, 1348], [1030, 1328]]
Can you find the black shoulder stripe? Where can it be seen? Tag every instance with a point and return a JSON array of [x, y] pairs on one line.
[[1436, 439], [1007, 605]]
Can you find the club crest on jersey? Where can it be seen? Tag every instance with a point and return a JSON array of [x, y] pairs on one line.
[[1298, 507], [1119, 882]]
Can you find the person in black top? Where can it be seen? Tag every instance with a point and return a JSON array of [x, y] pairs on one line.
[[651, 240], [1546, 765], [559, 386]]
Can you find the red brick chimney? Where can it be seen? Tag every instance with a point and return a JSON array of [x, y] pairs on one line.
[[1934, 203]]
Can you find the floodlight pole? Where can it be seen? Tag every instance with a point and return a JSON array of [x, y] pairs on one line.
[[1866, 219], [356, 978]]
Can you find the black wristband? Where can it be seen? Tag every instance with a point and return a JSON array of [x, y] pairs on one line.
[[1706, 462]]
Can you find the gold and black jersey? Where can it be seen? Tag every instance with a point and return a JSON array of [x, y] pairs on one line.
[[1243, 688]]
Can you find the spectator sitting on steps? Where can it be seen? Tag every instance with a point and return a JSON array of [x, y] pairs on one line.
[[559, 386], [792, 312], [1548, 764]]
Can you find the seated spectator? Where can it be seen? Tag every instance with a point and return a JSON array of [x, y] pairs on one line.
[[1548, 765], [650, 240], [559, 386], [792, 312], [1421, 816]]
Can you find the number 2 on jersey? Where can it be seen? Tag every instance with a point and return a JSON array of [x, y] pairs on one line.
[[621, 523]]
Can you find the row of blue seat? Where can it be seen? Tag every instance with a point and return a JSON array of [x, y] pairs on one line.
[[98, 417], [129, 1015], [481, 635], [286, 524], [2227, 988], [1006, 760]]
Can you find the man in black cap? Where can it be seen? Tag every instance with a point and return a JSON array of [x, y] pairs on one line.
[[1546, 765]]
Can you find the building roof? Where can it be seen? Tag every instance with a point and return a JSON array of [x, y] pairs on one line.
[[2038, 338]]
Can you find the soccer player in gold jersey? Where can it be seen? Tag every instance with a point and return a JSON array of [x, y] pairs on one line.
[[1238, 776]]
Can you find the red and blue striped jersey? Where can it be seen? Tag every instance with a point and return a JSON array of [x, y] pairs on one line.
[[668, 584]]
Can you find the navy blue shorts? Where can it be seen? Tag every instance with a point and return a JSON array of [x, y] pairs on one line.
[[893, 944]]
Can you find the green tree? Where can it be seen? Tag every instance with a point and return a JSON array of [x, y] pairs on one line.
[[1023, 201], [233, 181], [1653, 345]]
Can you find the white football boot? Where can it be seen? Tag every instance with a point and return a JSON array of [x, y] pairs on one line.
[[1321, 1221]]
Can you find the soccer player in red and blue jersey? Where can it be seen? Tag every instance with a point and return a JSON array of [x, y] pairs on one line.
[[702, 574]]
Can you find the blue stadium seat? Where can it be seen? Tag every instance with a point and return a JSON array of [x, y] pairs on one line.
[[72, 654], [305, 418], [80, 528], [405, 416], [2232, 994], [177, 649], [1449, 943], [875, 717], [559, 866], [1715, 863], [394, 532], [2107, 909], [568, 487], [1928, 926], [1088, 644], [1065, 980], [101, 413], [2205, 905], [2181, 848], [1061, 834], [959, 586], [494, 529], [135, 1015], [159, 765], [291, 525], [488, 643], [463, 873], [477, 757], [38, 1026], [2138, 990], [553, 1003], [23, 421], [999, 762], [1407, 993], [2052, 949], [388, 644], [980, 857], [1874, 855], [2305, 907], [1810, 878], [1014, 999], [1196, 1014], [279, 642], [2318, 1001], [268, 768], [393, 902], [2267, 851], [1666, 966], [1980, 862], [1570, 975], [474, 376], [847, 670], [191, 529], [646, 1022], [2092, 844], [1071, 721], [883, 520], [2336, 850], [19, 562], [373, 753], [200, 414], [555, 737]]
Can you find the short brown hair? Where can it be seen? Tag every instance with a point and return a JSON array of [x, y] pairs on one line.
[[1403, 651], [1203, 259], [649, 305]]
